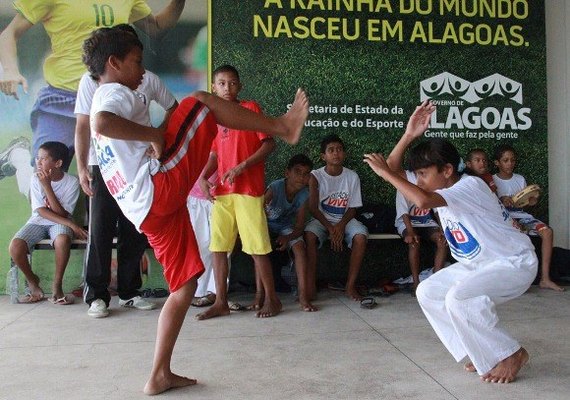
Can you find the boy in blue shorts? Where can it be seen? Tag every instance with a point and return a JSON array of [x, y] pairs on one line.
[[334, 196], [286, 206], [53, 195]]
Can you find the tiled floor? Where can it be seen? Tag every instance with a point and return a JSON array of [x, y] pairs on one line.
[[340, 352]]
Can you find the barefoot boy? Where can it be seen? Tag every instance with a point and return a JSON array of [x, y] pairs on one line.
[[459, 301], [286, 208], [510, 183], [239, 158], [334, 196], [152, 191]]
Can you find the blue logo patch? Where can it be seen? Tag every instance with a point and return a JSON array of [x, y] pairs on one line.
[[462, 243]]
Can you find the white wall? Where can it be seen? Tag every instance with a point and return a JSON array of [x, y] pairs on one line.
[[558, 85]]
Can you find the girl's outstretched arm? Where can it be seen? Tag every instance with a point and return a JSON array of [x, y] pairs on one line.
[[417, 125], [413, 193]]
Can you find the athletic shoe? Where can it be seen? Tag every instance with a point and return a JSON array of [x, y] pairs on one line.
[[137, 302], [6, 167], [98, 309]]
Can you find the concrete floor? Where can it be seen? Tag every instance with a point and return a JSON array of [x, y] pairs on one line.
[[341, 352]]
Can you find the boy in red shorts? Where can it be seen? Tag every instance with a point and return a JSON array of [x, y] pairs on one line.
[[150, 172]]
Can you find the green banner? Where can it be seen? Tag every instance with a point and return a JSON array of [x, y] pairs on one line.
[[367, 64]]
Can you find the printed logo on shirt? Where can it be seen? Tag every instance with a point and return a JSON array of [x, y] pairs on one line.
[[105, 155], [461, 242], [504, 211], [419, 216], [336, 203], [273, 212]]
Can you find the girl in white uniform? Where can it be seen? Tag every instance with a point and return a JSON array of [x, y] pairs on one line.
[[459, 301]]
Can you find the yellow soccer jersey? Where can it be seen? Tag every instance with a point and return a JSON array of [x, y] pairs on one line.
[[68, 23]]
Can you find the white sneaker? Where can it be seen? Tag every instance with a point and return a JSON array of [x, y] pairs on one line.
[[98, 309], [137, 302]]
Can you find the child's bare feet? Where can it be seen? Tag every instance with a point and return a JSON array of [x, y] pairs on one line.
[[269, 309], [307, 306], [548, 284], [293, 121], [506, 371], [156, 385], [257, 302], [469, 367], [217, 310], [353, 293]]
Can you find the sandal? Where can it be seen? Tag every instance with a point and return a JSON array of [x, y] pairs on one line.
[[234, 306], [30, 298], [204, 301], [62, 301], [368, 303]]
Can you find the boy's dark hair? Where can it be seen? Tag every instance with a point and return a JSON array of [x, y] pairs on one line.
[[57, 151], [226, 68], [475, 151], [328, 140], [300, 159], [103, 43], [502, 149], [438, 152]]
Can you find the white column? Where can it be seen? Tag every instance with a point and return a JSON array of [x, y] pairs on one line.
[[558, 86]]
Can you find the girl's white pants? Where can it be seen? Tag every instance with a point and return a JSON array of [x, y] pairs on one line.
[[459, 302]]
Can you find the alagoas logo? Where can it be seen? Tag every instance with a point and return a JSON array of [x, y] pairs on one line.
[[459, 107], [461, 242]]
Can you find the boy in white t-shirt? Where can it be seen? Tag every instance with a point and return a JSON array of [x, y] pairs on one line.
[[334, 196], [459, 301], [150, 171], [53, 195], [105, 217], [414, 224], [508, 184]]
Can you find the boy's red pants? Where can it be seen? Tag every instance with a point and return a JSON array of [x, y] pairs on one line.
[[188, 140]]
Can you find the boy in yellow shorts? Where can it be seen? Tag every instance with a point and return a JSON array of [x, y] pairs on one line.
[[238, 201]]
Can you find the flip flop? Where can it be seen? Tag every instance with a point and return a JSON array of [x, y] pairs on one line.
[[30, 298], [234, 306], [62, 301], [368, 303], [203, 301]]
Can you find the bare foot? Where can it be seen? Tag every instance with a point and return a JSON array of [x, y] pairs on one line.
[[469, 367], [307, 306], [269, 309], [217, 310], [353, 294], [258, 302], [156, 385], [506, 371], [294, 120], [548, 284]]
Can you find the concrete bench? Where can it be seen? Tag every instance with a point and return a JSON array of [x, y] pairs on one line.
[[383, 236]]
